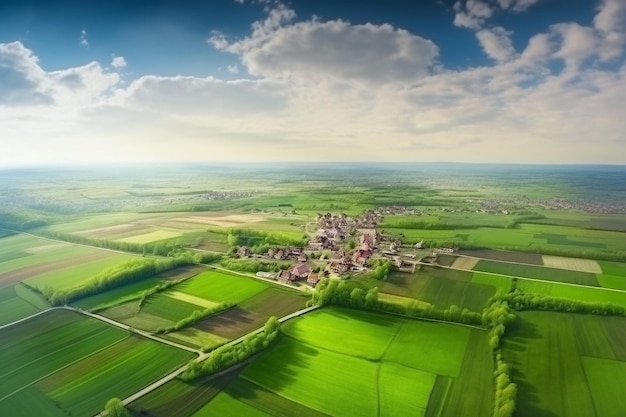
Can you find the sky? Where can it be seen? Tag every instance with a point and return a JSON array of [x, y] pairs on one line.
[[506, 81]]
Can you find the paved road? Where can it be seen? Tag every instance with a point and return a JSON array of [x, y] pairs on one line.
[[167, 378]]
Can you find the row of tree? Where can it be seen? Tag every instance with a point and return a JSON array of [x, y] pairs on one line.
[[195, 317], [229, 355], [506, 390], [130, 271], [250, 265], [519, 300], [255, 238]]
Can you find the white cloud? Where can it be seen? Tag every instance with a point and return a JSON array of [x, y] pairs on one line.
[[496, 43], [233, 69], [331, 90], [516, 5], [334, 49], [473, 14], [83, 38], [118, 62], [610, 22], [22, 81]]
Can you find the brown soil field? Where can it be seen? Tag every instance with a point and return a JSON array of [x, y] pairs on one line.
[[253, 313]]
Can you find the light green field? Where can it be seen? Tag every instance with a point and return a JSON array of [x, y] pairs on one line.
[[333, 383], [613, 276], [501, 283], [331, 360], [76, 274], [607, 381], [537, 272], [588, 294], [222, 287], [327, 328], [17, 302]]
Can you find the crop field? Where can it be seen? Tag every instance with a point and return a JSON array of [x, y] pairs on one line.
[[573, 264], [568, 364], [252, 313], [504, 255], [40, 262], [613, 275], [17, 302], [527, 237], [151, 237], [222, 286], [538, 272], [464, 262], [571, 292], [501, 283], [441, 287], [54, 359], [374, 359]]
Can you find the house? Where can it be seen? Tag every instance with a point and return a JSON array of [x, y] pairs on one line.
[[300, 271], [284, 276], [361, 256], [303, 257], [313, 279]]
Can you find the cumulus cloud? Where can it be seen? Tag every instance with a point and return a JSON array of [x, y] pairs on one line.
[[233, 69], [332, 49], [118, 62], [22, 81], [496, 43]]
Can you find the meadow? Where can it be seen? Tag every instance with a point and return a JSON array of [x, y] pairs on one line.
[[384, 361], [18, 302], [49, 360], [568, 364]]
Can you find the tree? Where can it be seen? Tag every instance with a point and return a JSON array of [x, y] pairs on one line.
[[115, 408]]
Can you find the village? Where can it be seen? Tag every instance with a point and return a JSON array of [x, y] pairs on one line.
[[343, 245]]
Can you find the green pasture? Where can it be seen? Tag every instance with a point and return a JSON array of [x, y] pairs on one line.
[[501, 283], [17, 302], [169, 308], [76, 273], [564, 363], [572, 292], [222, 286], [383, 359]]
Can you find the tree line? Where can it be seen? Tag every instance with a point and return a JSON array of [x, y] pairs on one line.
[[195, 317], [130, 271], [228, 355]]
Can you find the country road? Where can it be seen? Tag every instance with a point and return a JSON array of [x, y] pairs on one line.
[[167, 378]]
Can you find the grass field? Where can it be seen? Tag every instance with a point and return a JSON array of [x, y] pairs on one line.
[[565, 364], [501, 283], [151, 236], [538, 272], [590, 294], [17, 302], [222, 287], [43, 262], [441, 287], [67, 363], [372, 367]]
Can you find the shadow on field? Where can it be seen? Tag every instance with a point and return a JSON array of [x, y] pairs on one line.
[[278, 368], [231, 323]]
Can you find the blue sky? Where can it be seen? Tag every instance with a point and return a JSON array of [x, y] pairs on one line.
[[533, 81]]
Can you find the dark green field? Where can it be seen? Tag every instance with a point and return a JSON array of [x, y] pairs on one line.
[[538, 272]]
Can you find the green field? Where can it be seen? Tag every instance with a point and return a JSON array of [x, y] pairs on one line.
[[589, 294], [17, 302], [54, 358], [222, 286], [441, 287], [375, 358], [537, 272], [567, 364]]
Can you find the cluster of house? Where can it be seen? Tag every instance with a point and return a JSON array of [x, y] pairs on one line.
[[333, 229]]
